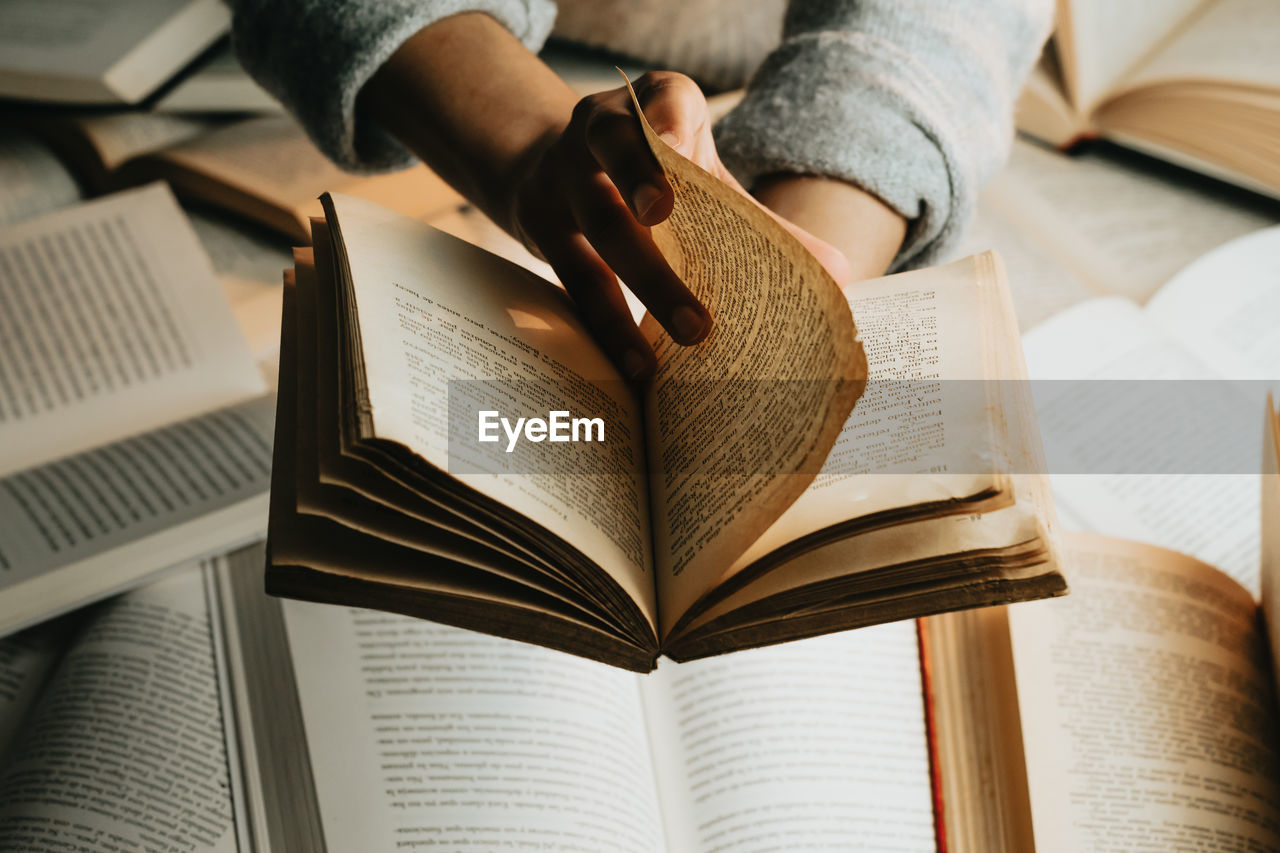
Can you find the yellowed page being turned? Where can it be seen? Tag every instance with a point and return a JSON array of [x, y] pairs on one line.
[[738, 425]]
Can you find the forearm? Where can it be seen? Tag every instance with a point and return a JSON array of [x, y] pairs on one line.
[[473, 102], [866, 230]]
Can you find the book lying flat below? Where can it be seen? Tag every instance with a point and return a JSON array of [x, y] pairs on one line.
[[818, 744], [1139, 711], [102, 51], [119, 697], [134, 430], [738, 505], [264, 169], [113, 324]]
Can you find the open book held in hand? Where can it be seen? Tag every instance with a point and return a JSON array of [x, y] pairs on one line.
[[733, 501]]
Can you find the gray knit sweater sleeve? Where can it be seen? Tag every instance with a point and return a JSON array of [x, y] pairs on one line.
[[910, 99], [316, 55]]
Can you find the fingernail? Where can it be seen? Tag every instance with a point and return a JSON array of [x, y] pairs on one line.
[[688, 324], [670, 138], [634, 364], [644, 198]]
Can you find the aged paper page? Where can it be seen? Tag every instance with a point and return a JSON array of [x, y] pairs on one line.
[[512, 334], [1039, 284], [1148, 713], [921, 431], [119, 137], [738, 425], [125, 748], [426, 736], [1088, 440], [271, 158], [102, 51], [26, 661], [813, 745], [248, 262], [111, 323]]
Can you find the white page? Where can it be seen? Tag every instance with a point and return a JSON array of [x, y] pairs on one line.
[[1232, 41], [32, 180], [1225, 307], [111, 323], [1110, 37], [428, 735], [1211, 516], [1118, 230], [77, 529], [813, 745], [126, 745]]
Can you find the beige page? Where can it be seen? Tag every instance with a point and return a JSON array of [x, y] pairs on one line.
[[1232, 41], [1148, 712], [752, 411], [272, 159], [418, 288], [923, 334]]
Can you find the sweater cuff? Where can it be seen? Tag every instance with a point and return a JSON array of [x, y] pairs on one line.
[[854, 107], [318, 63]]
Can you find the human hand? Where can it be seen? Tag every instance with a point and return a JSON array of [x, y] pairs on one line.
[[588, 194]]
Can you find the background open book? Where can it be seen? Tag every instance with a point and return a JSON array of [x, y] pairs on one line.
[[1140, 710], [133, 431], [1196, 82]]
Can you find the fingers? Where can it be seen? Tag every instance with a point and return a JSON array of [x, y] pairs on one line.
[[613, 139], [628, 248], [595, 291], [586, 206], [675, 107]]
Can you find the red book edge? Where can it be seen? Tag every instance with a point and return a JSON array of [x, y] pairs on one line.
[[931, 735]]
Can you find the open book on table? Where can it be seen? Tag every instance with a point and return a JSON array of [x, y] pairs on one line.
[[1196, 82], [1209, 334], [134, 433], [102, 51], [1140, 711], [264, 169], [730, 505], [111, 730], [362, 730], [1102, 223]]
